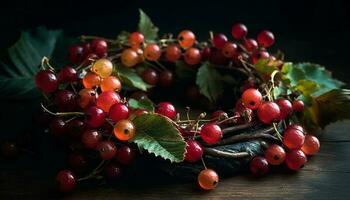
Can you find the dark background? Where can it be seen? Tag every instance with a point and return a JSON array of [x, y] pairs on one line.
[[314, 30]]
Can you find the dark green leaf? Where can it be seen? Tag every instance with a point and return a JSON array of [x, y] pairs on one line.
[[209, 81], [184, 71], [157, 135], [143, 104], [147, 28], [130, 78], [264, 66]]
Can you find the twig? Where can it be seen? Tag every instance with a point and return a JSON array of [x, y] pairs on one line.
[[61, 113], [219, 153], [238, 127]]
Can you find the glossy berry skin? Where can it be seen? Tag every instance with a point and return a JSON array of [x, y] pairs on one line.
[[266, 38], [211, 133], [124, 130], [65, 180], [152, 52], [165, 78], [91, 80], [285, 108], [106, 99], [150, 76], [192, 56], [99, 47], [129, 57], [295, 159], [293, 138], [298, 105], [186, 39], [87, 97], [75, 128], [259, 55], [217, 115], [136, 39], [65, 100], [219, 40], [296, 127], [311, 145], [76, 54], [57, 126], [67, 75], [125, 155], [268, 112], [167, 109], [172, 53], [95, 117], [259, 166], [208, 179], [275, 154], [239, 31], [118, 112], [103, 67], [91, 138], [250, 44], [112, 172], [46, 81], [230, 49], [107, 150], [111, 83], [194, 151], [252, 98], [206, 53]]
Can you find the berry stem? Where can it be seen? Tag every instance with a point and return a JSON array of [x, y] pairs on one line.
[[225, 154], [278, 134], [61, 113], [45, 63]]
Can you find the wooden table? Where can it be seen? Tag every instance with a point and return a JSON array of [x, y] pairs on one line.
[[326, 176]]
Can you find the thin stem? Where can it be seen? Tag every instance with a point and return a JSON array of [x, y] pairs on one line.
[[225, 154], [159, 64], [91, 37], [228, 119], [205, 167], [94, 172], [60, 113], [277, 132]]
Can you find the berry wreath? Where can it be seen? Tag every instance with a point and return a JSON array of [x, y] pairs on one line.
[[279, 104]]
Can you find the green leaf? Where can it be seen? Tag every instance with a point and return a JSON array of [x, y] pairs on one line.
[[157, 135], [147, 28], [264, 66], [327, 108], [143, 104], [209, 81], [17, 79], [130, 78], [184, 71]]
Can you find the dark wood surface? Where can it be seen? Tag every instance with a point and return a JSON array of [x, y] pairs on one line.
[[326, 176]]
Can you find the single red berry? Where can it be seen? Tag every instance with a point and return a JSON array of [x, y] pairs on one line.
[[95, 117], [192, 56], [268, 112], [217, 114], [150, 76], [125, 155], [298, 105], [186, 39], [65, 100], [230, 49], [152, 52], [167, 109], [76, 54], [99, 47], [219, 40], [136, 39], [260, 55], [194, 151], [166, 78], [285, 107], [252, 98], [295, 159], [86, 49], [205, 53], [172, 53], [311, 145], [259, 166], [250, 44], [239, 31], [266, 38], [118, 112], [275, 154], [91, 138], [106, 99], [46, 81], [57, 126], [107, 150], [211, 133], [66, 180], [293, 138], [67, 75]]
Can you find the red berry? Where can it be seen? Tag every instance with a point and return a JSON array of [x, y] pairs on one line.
[[250, 44], [295, 159], [238, 31], [167, 109], [99, 47], [172, 53], [211, 133], [150, 76], [298, 105], [136, 39], [293, 138], [152, 52], [91, 138], [194, 151], [87, 97], [192, 56], [285, 108], [296, 127], [252, 98], [205, 53], [275, 154], [57, 126], [66, 180], [311, 145], [268, 112], [65, 100], [208, 179], [106, 99], [260, 55], [118, 112], [259, 166], [266, 38], [46, 81], [67, 75], [219, 40], [186, 39], [217, 114], [95, 117], [76, 54], [107, 150], [229, 50], [125, 155], [165, 78]]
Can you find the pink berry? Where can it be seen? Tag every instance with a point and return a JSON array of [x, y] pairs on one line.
[[194, 151], [167, 109], [268, 112], [211, 133], [252, 98], [238, 31], [293, 138], [295, 159], [266, 38]]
